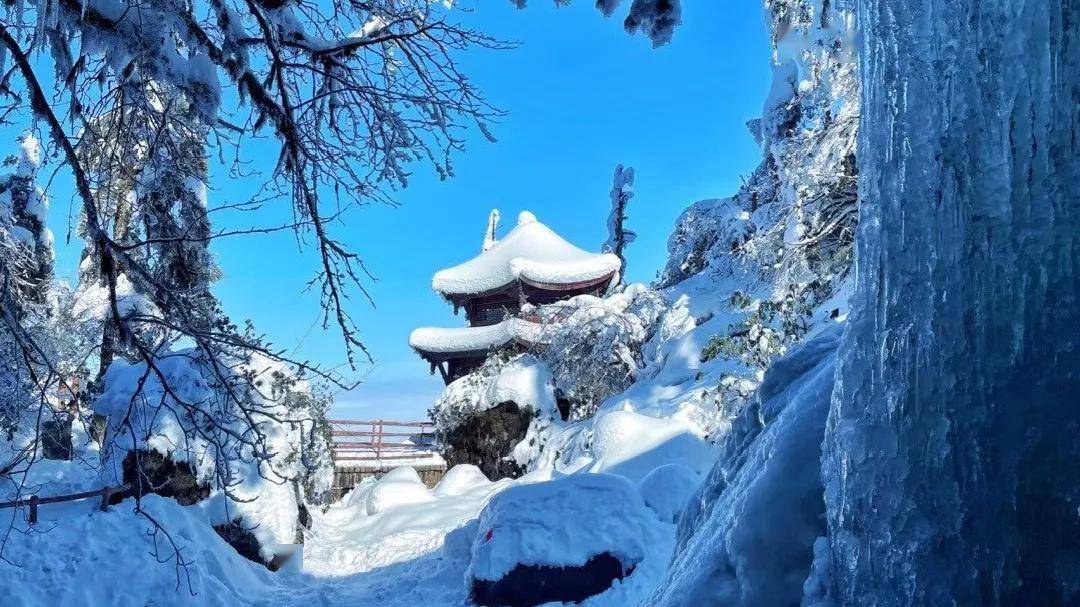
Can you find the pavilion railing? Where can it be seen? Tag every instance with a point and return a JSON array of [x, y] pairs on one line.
[[362, 442]]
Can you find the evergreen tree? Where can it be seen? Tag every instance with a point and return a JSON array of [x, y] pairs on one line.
[[618, 235]]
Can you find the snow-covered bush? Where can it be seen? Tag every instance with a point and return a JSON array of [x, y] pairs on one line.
[[592, 345], [245, 428]]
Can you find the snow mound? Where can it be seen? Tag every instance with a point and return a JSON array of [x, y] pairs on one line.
[[403, 474], [399, 487], [560, 523], [667, 489], [459, 479], [530, 252], [526, 382], [357, 496], [116, 558], [632, 445]]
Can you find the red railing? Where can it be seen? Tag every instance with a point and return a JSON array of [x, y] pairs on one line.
[[369, 443]]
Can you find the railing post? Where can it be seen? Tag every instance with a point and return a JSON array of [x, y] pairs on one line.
[[378, 439], [33, 509], [106, 495]]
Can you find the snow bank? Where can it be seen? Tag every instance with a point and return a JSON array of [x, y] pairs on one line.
[[633, 445], [561, 523], [531, 252], [746, 538], [115, 558]]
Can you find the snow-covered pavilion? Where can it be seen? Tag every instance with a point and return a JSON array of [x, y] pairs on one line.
[[531, 264]]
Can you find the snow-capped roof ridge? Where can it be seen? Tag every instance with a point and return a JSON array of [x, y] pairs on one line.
[[531, 252]]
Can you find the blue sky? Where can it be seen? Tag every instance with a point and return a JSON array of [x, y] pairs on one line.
[[581, 97]]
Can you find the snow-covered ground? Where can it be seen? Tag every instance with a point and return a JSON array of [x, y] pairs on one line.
[[388, 543]]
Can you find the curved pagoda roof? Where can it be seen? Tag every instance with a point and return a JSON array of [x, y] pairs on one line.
[[438, 342], [531, 253]]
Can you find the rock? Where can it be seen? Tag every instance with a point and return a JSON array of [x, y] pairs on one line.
[[558, 541], [486, 439], [150, 472], [242, 540], [56, 439], [529, 585]]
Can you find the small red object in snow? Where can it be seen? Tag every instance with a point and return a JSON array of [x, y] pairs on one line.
[[489, 535]]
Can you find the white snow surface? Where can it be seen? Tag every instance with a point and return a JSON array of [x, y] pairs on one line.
[[532, 252], [667, 489], [391, 492], [465, 339], [459, 479]]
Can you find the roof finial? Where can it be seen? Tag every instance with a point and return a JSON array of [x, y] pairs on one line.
[[493, 224], [525, 217]]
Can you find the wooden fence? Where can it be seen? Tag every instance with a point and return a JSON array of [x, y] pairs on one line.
[[105, 493], [370, 448], [377, 441]]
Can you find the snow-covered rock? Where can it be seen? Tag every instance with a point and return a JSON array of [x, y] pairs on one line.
[[559, 523], [560, 540]]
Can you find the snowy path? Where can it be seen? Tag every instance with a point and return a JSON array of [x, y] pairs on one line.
[[392, 559]]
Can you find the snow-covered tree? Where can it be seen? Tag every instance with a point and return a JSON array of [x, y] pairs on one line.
[[147, 94], [490, 236], [656, 18], [592, 345], [27, 243], [782, 246], [619, 236], [26, 269]]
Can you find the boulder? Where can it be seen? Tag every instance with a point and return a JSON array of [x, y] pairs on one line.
[[486, 439], [558, 541], [150, 472]]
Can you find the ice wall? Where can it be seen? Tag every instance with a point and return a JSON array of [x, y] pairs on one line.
[[951, 461]]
